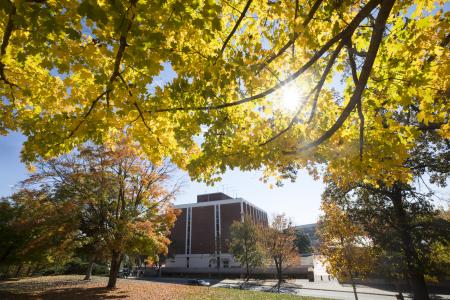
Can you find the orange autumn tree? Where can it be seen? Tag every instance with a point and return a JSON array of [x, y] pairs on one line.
[[344, 245], [37, 232], [279, 242], [124, 200]]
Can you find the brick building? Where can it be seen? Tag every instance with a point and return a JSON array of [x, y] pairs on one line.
[[201, 233]]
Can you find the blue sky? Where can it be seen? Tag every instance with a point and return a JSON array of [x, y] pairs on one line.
[[299, 200]]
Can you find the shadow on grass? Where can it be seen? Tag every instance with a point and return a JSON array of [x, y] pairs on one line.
[[72, 293], [31, 285]]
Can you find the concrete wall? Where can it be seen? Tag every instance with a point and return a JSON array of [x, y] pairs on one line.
[[320, 270], [200, 261]]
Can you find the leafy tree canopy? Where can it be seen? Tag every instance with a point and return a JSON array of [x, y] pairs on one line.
[[73, 71], [302, 242], [245, 244]]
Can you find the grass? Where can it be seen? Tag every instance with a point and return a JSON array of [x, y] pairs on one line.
[[70, 287]]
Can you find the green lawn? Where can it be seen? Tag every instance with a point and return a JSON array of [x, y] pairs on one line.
[[71, 287], [221, 293]]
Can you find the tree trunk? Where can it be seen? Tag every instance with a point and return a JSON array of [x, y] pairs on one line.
[[419, 286], [247, 275], [116, 260], [417, 278], [349, 268], [89, 270], [279, 274], [29, 270], [6, 253], [354, 286], [19, 268], [279, 280]]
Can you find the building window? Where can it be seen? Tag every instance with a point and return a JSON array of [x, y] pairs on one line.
[[225, 263], [188, 230], [217, 229]]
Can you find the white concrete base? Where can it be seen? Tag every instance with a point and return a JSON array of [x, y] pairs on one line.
[[202, 261]]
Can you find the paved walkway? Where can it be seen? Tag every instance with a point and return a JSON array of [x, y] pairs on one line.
[[332, 290]]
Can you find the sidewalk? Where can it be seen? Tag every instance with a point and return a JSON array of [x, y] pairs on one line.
[[321, 289], [305, 284]]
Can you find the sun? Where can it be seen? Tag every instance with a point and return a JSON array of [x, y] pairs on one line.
[[291, 98]]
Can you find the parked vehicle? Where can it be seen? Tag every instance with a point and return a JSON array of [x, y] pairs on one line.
[[199, 282], [124, 273]]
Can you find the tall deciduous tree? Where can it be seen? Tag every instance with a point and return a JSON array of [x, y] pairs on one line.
[[404, 224], [37, 230], [124, 199], [401, 218], [279, 241], [245, 244], [344, 245]]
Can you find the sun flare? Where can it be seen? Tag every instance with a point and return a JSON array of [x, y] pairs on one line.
[[291, 97]]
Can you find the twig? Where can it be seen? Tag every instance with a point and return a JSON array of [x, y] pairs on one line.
[[324, 77], [238, 22]]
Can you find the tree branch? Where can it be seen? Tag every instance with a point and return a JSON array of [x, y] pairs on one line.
[[236, 26], [5, 41], [291, 123], [347, 32], [352, 63], [141, 116], [122, 45], [305, 23], [295, 18], [375, 42], [361, 130], [115, 74], [359, 105], [324, 77], [317, 89], [86, 115]]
